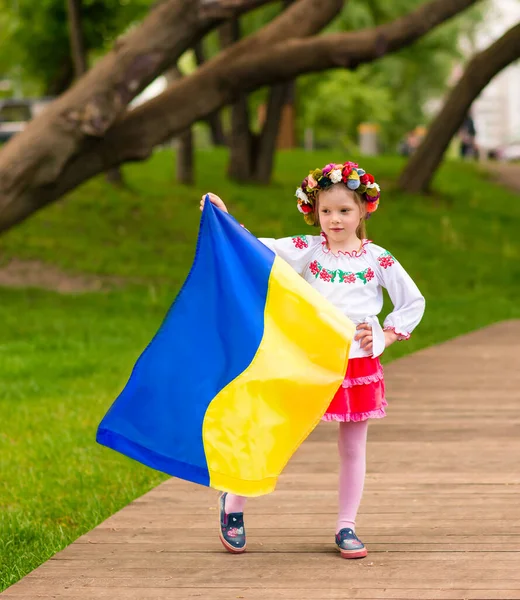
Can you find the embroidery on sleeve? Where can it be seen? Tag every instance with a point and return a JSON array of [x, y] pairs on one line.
[[386, 260], [300, 241]]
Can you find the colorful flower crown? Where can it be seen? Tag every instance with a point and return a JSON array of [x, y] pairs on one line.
[[350, 174]]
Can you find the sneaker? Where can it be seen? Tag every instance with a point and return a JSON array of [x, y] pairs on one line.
[[232, 531], [349, 544]]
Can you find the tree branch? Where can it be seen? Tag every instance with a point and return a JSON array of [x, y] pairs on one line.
[[33, 163], [255, 61], [227, 9], [417, 174], [221, 79], [101, 96]]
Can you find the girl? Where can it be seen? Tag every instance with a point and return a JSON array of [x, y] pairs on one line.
[[350, 271]]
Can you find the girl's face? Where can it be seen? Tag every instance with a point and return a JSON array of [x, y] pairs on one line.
[[339, 213]]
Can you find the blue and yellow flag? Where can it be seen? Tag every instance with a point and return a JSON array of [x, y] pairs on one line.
[[241, 370]]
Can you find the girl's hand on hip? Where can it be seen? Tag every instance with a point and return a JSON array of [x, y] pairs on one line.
[[364, 336], [214, 199], [390, 337]]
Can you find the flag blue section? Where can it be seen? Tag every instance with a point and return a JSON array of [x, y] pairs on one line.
[[209, 336]]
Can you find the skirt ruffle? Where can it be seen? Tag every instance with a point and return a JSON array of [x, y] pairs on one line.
[[362, 393]]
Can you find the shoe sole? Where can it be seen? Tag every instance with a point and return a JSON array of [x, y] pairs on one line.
[[353, 553], [227, 546], [230, 548]]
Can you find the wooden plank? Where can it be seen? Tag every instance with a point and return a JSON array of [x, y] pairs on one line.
[[267, 515], [267, 582], [279, 594], [227, 593], [319, 541], [361, 574], [440, 514], [305, 545], [276, 525], [184, 560]]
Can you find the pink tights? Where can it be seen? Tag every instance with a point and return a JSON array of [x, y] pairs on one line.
[[352, 441]]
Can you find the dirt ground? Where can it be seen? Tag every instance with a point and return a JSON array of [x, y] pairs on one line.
[[507, 174], [31, 273]]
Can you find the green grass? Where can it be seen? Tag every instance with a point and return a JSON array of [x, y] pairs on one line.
[[64, 358]]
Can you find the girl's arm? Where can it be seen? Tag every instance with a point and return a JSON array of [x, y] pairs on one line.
[[294, 250], [408, 301]]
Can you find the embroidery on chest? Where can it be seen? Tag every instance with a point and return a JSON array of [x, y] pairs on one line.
[[339, 276], [300, 241], [386, 260]]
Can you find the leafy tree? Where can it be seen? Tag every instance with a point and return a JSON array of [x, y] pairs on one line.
[[393, 92], [36, 47]]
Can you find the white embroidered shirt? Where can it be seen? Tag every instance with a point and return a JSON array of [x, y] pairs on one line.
[[353, 282]]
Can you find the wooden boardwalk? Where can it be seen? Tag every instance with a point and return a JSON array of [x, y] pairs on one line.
[[440, 516]]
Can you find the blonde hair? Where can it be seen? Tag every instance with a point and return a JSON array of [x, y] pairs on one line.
[[361, 230]]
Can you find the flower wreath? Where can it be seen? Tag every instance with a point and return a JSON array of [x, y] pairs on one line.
[[350, 174]]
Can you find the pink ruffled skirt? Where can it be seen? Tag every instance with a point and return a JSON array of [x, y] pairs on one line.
[[362, 393]]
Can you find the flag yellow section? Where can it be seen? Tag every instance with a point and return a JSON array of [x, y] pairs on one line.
[[254, 424]]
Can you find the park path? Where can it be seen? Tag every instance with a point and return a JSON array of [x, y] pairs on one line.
[[508, 174], [440, 516]]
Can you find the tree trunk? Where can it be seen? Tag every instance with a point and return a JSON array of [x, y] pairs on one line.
[[241, 141], [240, 137], [79, 60], [279, 96], [252, 156], [77, 41], [115, 177], [264, 158], [185, 159], [62, 79], [76, 137], [214, 120], [421, 167], [218, 137]]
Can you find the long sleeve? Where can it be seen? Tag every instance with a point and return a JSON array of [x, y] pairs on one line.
[[408, 301], [296, 251]]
